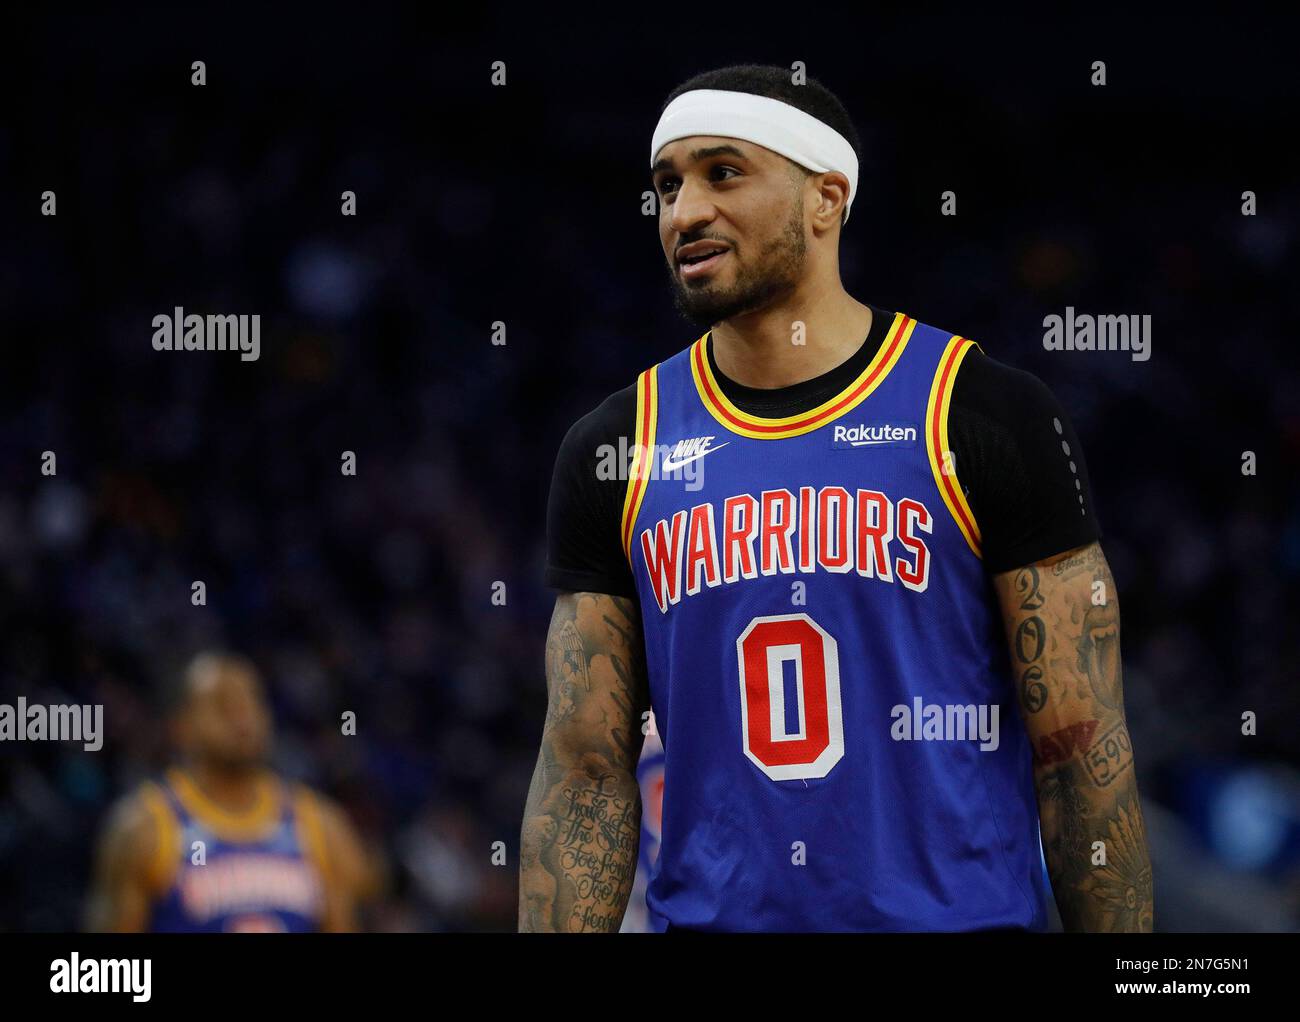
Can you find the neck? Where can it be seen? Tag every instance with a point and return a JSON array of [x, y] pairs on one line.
[[761, 349], [235, 790]]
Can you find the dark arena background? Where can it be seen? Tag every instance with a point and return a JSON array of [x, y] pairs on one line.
[[499, 278]]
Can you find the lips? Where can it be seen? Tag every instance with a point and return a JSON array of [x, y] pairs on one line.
[[697, 250], [700, 258]]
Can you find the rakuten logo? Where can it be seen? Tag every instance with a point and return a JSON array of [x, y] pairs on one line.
[[883, 434]]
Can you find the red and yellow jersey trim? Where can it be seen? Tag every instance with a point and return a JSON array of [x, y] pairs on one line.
[[647, 418], [942, 464], [253, 823], [759, 428]]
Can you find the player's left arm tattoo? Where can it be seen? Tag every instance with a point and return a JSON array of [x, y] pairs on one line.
[[1062, 623], [582, 822]]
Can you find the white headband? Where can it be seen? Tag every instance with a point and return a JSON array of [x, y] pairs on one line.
[[778, 126]]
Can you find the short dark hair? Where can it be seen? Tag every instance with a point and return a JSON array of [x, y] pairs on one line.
[[774, 83]]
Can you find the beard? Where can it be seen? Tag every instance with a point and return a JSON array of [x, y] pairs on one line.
[[774, 273]]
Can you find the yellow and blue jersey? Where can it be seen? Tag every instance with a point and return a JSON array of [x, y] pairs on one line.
[[259, 871], [801, 579]]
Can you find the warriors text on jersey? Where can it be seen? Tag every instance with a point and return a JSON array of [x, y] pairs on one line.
[[826, 661], [262, 871]]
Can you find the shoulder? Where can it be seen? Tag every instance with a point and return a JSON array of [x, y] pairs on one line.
[[998, 390], [598, 438], [140, 833], [137, 815], [333, 840], [588, 487], [616, 414], [319, 807], [1020, 463], [613, 418], [1009, 412], [331, 820]]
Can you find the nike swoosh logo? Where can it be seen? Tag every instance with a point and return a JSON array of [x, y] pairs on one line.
[[668, 463]]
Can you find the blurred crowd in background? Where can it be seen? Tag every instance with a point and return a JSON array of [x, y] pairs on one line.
[[521, 204]]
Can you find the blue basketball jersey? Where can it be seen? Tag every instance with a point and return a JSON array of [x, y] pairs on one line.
[[827, 666], [257, 874]]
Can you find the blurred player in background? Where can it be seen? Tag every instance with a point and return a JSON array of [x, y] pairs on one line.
[[222, 843]]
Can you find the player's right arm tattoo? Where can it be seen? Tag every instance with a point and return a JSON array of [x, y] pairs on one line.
[[1062, 623], [582, 822]]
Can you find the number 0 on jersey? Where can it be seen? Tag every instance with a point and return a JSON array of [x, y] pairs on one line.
[[789, 734]]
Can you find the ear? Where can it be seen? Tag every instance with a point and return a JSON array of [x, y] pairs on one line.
[[833, 194]]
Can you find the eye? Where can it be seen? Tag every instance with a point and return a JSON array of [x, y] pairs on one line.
[[668, 184]]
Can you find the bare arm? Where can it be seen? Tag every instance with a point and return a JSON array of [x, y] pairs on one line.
[[125, 880], [1062, 622], [582, 822], [351, 872]]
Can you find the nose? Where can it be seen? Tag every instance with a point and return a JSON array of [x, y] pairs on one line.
[[246, 717], [692, 208]]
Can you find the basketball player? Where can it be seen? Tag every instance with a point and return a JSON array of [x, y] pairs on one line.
[[222, 843], [847, 543]]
